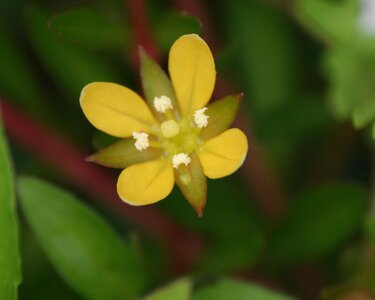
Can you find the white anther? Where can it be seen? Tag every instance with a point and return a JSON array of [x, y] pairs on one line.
[[180, 158], [200, 118], [141, 142], [162, 103], [366, 19]]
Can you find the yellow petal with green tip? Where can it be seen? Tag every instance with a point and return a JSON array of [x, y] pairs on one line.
[[192, 70], [146, 183], [115, 109], [224, 154]]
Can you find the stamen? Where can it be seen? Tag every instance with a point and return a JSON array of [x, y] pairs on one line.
[[200, 118], [180, 158], [142, 142], [162, 103]]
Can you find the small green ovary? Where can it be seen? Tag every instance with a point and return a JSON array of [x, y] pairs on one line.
[[179, 137]]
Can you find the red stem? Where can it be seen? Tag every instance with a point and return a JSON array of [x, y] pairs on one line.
[[142, 35], [181, 246]]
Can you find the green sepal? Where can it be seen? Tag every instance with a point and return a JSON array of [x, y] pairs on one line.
[[221, 114], [192, 183], [155, 83], [123, 154]]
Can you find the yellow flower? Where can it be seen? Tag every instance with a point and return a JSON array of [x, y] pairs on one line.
[[176, 137]]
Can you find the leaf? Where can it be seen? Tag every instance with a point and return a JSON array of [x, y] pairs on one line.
[[364, 113], [226, 288], [266, 55], [123, 154], [192, 183], [92, 28], [70, 67], [177, 290], [84, 250], [9, 252], [334, 20], [229, 210], [221, 115], [351, 77], [318, 223], [17, 81]]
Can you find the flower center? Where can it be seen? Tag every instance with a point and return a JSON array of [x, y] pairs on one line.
[[178, 140], [169, 128]]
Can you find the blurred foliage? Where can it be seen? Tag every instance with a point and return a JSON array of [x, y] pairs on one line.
[[177, 290], [9, 252], [287, 68], [223, 289], [349, 61], [65, 227], [318, 222]]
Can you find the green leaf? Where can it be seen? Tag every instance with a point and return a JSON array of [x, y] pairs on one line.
[[17, 80], [177, 290], [230, 222], [171, 25], [9, 252], [364, 113], [155, 83], [266, 56], [123, 154], [224, 289], [333, 20], [71, 67], [192, 183], [84, 250], [351, 77], [91, 28], [318, 223], [298, 120], [221, 115]]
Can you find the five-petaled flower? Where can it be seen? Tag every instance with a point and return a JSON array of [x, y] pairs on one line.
[[176, 137]]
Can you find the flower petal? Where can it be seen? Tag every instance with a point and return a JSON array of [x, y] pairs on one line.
[[192, 70], [146, 183], [123, 154], [192, 183], [115, 109], [224, 154], [221, 114]]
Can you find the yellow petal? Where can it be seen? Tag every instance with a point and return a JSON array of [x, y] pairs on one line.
[[224, 154], [146, 183], [115, 109], [192, 70]]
